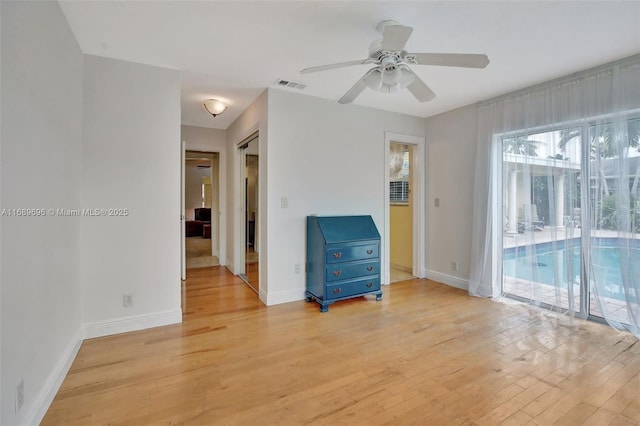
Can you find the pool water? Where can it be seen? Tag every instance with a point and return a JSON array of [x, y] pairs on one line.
[[541, 264]]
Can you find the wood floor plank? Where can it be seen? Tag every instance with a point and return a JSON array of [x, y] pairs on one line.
[[577, 415], [427, 354], [518, 418], [601, 417]]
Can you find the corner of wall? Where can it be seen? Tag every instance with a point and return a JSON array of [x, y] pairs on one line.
[[276, 298], [54, 381], [449, 280], [132, 323]]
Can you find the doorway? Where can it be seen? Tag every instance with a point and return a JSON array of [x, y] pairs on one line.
[[250, 195], [400, 212], [404, 236], [201, 207]]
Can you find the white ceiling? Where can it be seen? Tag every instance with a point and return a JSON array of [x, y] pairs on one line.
[[232, 51]]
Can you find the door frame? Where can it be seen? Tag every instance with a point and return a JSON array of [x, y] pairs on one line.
[[240, 244], [239, 223], [183, 220], [222, 201], [419, 193]]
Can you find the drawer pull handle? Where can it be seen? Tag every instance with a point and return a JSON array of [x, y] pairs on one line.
[[337, 272], [369, 268], [337, 255], [370, 251], [369, 285], [336, 290]]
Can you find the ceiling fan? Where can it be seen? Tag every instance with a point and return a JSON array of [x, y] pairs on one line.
[[391, 71]]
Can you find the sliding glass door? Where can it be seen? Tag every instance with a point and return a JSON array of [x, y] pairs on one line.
[[571, 218], [614, 243], [541, 196]]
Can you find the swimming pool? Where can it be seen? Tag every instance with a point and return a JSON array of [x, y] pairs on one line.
[[542, 264]]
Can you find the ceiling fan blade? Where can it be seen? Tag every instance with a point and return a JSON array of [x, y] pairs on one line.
[[466, 60], [395, 37], [357, 88], [418, 88], [332, 66]]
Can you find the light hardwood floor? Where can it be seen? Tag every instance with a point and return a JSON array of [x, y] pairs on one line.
[[427, 354]]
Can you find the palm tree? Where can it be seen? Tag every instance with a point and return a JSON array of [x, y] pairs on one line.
[[604, 144], [520, 145], [634, 141], [566, 136], [603, 137], [634, 133]]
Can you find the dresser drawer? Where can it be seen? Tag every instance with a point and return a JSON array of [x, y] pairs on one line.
[[350, 288], [350, 253], [345, 271]]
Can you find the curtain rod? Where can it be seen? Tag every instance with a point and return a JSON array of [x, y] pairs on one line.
[[629, 60]]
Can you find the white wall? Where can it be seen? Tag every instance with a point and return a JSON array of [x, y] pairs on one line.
[[252, 119], [193, 186], [131, 160], [451, 147], [326, 159], [203, 139], [41, 115]]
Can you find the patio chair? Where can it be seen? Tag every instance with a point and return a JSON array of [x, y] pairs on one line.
[[576, 218], [529, 218]]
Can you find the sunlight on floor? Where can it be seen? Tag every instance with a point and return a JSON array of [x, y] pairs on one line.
[[398, 275], [199, 253]]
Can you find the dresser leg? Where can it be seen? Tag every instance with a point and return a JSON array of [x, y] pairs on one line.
[[379, 296], [324, 308]]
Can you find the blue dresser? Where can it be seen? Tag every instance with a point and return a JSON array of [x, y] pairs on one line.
[[343, 259]]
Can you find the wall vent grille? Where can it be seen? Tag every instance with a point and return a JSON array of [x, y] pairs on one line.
[[290, 84]]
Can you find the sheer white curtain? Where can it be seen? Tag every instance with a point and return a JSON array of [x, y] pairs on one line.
[[557, 195]]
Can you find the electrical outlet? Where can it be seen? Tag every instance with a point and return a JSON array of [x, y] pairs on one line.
[[297, 268], [19, 395], [127, 300], [284, 202], [454, 266], [437, 202]]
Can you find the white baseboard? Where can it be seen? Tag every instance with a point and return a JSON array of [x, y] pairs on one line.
[[263, 295], [133, 323], [284, 297], [229, 266], [448, 280], [54, 381], [403, 268]]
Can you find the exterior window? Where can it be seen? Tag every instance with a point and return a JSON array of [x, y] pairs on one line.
[[399, 171], [399, 192]]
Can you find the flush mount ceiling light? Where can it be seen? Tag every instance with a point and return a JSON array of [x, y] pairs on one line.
[[214, 106]]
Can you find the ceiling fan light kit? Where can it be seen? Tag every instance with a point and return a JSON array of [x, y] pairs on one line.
[[391, 71]]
